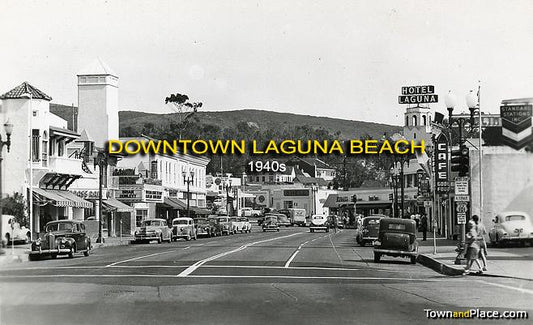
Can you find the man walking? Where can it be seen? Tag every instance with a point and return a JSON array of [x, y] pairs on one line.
[[424, 227]]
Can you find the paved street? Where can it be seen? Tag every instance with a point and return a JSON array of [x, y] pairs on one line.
[[290, 277]]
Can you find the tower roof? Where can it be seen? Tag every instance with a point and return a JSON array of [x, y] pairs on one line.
[[25, 88], [97, 67]]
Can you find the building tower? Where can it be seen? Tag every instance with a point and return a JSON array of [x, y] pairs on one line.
[[417, 125], [98, 102]]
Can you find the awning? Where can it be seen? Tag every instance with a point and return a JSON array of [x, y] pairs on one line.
[[201, 211], [44, 197], [175, 203], [331, 201], [114, 204], [59, 198], [374, 204], [77, 202]]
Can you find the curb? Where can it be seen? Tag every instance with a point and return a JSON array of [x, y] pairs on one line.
[[111, 244], [438, 266]]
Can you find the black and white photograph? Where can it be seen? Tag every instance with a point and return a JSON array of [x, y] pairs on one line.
[[266, 162]]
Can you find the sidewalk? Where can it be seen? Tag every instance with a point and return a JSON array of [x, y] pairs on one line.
[[500, 262], [19, 253]]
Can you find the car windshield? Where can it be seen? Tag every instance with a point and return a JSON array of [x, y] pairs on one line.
[[180, 222], [202, 221], [318, 217], [396, 226], [271, 218], [374, 221], [148, 223], [516, 217], [61, 226], [243, 219], [223, 219]]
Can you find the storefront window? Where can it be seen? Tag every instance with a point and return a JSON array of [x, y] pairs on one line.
[[140, 215]]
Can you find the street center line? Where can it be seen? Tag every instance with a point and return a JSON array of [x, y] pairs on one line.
[[196, 265], [507, 287], [294, 254]]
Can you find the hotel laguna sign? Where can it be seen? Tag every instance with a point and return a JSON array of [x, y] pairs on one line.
[[418, 95]]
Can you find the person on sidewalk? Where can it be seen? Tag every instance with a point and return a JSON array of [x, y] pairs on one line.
[[481, 232], [424, 227], [472, 247]]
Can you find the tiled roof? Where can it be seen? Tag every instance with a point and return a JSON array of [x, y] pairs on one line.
[[25, 88]]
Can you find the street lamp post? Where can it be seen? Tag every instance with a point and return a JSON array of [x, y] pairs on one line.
[[29, 96], [8, 127], [188, 178], [101, 161], [461, 122]]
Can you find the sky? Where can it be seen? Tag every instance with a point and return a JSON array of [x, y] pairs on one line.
[[345, 59]]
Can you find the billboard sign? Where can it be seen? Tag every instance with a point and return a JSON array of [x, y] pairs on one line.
[[517, 128]]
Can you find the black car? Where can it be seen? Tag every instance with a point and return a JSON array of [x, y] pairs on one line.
[[62, 237], [397, 238]]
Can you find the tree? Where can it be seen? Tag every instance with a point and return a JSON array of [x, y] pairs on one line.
[[184, 108], [15, 206]]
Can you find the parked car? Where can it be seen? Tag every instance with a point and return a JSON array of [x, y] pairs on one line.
[[270, 223], [397, 238], [250, 212], [183, 227], [297, 217], [216, 226], [62, 237], [204, 227], [153, 229], [225, 226], [283, 220], [319, 222], [368, 229], [247, 226], [13, 232], [511, 226]]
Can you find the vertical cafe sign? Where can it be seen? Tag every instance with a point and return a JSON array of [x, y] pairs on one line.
[[516, 118], [441, 164]]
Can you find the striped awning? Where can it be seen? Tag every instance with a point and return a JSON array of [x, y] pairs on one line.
[[114, 204], [60, 198]]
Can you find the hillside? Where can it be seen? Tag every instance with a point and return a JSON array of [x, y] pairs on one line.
[[264, 120]]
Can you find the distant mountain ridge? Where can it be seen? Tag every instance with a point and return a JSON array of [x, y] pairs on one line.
[[263, 119]]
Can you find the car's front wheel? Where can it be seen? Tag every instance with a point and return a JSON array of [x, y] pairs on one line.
[[160, 239], [413, 259], [377, 257]]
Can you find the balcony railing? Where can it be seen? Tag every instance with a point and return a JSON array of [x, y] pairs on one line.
[[65, 165]]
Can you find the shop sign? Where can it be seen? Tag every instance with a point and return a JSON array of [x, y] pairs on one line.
[[441, 164]]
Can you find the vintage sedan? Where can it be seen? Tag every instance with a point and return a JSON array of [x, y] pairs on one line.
[[225, 226], [397, 238], [153, 229], [246, 225], [368, 229], [204, 227], [62, 237], [183, 227], [319, 222], [270, 222], [511, 226], [13, 232]]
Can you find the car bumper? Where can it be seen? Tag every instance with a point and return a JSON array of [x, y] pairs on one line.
[[395, 252], [146, 237], [58, 251], [369, 239], [318, 227]]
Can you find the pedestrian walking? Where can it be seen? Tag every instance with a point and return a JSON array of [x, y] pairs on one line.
[[424, 227], [472, 247], [481, 233]]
